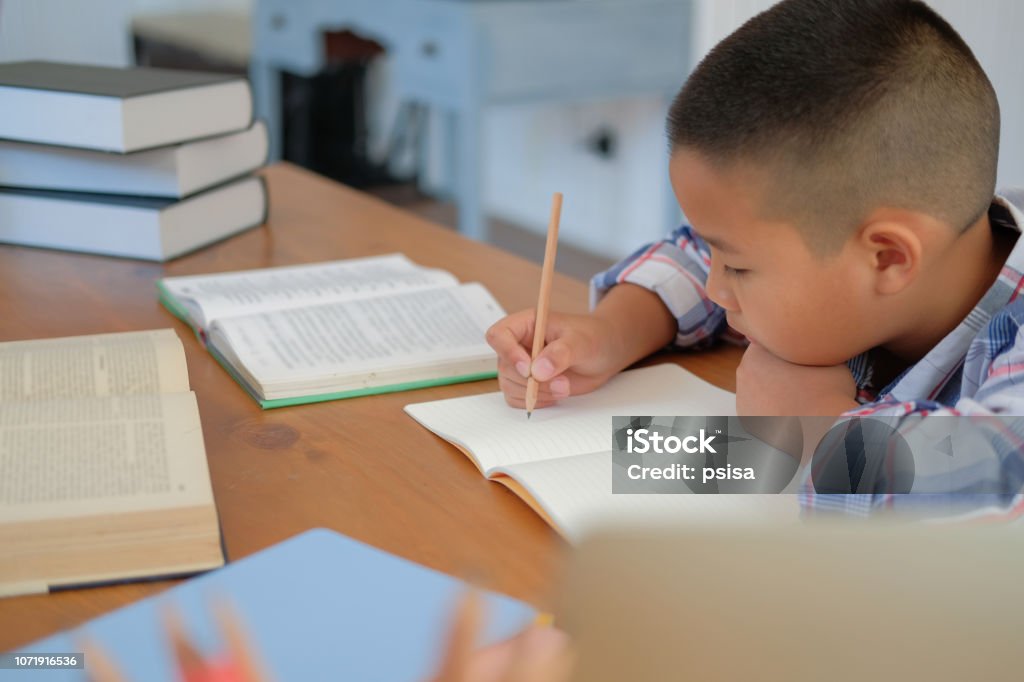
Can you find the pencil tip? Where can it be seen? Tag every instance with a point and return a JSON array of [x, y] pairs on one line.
[[528, 415]]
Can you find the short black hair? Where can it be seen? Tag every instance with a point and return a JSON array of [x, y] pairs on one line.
[[852, 105]]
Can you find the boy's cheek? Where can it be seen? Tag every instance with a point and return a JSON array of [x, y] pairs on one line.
[[801, 337]]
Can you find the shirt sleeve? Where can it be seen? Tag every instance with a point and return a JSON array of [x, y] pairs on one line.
[[676, 269], [949, 461]]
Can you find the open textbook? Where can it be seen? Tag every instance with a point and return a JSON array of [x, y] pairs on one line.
[[104, 468], [560, 461], [341, 329]]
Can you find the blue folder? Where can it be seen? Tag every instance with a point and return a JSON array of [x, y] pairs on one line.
[[318, 606]]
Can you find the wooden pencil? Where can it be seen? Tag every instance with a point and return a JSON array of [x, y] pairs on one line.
[[544, 299]]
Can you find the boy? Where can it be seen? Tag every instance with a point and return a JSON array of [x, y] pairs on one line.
[[837, 163]]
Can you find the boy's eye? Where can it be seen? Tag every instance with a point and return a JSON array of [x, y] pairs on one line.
[[734, 271]]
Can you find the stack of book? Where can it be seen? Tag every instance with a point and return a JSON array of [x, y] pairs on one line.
[[136, 162]]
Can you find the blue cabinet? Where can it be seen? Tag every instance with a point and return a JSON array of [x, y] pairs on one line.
[[458, 56]]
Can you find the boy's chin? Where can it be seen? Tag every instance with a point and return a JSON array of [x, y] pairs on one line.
[[805, 357]]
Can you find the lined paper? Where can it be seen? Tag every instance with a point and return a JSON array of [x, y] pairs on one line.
[[498, 435], [576, 492]]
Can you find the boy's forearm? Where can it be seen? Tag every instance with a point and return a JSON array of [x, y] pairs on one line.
[[639, 320]]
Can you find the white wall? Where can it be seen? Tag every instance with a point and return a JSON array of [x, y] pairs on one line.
[[86, 31], [992, 29], [66, 30], [611, 205]]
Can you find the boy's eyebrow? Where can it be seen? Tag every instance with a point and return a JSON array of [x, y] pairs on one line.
[[720, 245]]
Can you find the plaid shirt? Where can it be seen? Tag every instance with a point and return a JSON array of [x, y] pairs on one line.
[[976, 371]]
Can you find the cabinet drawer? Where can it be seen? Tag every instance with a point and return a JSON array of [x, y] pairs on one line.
[[433, 53]]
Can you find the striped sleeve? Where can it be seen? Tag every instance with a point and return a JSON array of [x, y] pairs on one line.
[[964, 460], [676, 269]]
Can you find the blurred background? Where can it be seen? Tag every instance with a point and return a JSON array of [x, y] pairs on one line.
[[470, 112]]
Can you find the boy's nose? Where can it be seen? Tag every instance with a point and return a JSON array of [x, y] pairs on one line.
[[718, 291]]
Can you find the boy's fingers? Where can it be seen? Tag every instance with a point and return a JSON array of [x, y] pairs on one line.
[[185, 655], [240, 651], [100, 667], [504, 342], [518, 399], [542, 655], [462, 637], [513, 372], [556, 358], [559, 386], [510, 336], [520, 403], [514, 387]]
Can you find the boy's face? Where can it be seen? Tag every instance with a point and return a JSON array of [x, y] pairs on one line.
[[801, 307]]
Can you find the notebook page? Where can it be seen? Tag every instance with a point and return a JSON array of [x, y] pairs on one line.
[[94, 365], [323, 343], [498, 435], [576, 492], [209, 297]]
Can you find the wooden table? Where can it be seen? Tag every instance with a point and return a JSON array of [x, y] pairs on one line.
[[360, 467]]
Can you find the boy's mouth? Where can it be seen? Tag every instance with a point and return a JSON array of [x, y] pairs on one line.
[[738, 328]]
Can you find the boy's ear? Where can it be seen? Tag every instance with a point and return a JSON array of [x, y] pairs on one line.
[[893, 251]]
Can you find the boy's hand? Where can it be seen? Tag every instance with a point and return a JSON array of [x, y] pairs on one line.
[[537, 654], [581, 352], [768, 385], [578, 356], [239, 663]]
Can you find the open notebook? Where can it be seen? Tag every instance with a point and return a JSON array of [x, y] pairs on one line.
[[560, 463], [340, 329]]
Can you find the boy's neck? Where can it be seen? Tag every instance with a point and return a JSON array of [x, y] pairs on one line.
[[967, 270]]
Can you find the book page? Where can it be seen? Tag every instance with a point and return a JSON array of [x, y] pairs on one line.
[[101, 455], [576, 493], [327, 342], [95, 365], [498, 435], [211, 297]]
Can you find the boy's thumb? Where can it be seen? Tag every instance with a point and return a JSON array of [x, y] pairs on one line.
[[555, 359]]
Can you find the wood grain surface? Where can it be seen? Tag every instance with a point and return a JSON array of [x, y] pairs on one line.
[[358, 466]]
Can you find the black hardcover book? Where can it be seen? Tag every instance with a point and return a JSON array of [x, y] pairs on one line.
[[118, 109]]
